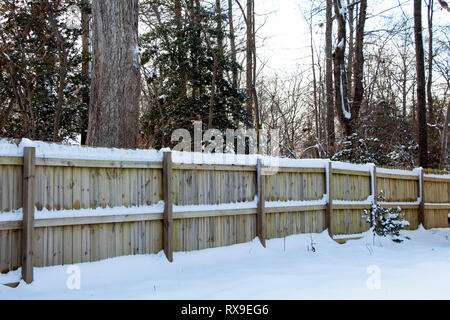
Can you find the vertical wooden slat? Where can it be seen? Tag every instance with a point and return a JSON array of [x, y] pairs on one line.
[[67, 246], [260, 218], [329, 206], [76, 188], [28, 213], [76, 244], [67, 189], [422, 200], [168, 205]]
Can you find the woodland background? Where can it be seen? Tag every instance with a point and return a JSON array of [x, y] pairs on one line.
[[376, 95]]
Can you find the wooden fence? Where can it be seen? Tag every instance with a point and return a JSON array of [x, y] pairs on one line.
[[248, 201]]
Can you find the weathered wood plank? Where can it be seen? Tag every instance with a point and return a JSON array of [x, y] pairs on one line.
[[81, 163], [396, 176], [260, 217], [11, 161], [329, 206], [76, 244], [351, 172], [168, 206], [29, 163], [67, 245], [212, 167]]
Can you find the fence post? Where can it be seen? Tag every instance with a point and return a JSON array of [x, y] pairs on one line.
[[374, 185], [329, 206], [422, 200], [260, 217], [28, 191], [168, 205]]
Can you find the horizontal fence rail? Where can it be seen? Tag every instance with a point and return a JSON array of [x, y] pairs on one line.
[[56, 211]]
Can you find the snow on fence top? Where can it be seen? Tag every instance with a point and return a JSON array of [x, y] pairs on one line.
[[9, 148], [415, 172], [55, 150], [60, 151], [438, 176]]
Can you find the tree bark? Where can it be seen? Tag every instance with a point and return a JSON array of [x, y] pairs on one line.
[[358, 70], [430, 61], [351, 46], [420, 70], [115, 89], [85, 67], [340, 74], [329, 75], [249, 57], [234, 70], [444, 147], [180, 49], [62, 73], [313, 66]]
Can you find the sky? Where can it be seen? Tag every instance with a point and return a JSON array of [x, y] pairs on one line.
[[285, 31]]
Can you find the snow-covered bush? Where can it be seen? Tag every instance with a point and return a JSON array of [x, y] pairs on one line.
[[357, 150], [386, 221]]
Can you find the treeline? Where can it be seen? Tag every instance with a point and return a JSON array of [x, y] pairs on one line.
[[366, 96], [361, 98]]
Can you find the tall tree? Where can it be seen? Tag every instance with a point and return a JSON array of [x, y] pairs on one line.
[[249, 57], [444, 141], [329, 73], [39, 71], [115, 88], [204, 64], [340, 75], [233, 51], [358, 68], [420, 70], [85, 68], [430, 14]]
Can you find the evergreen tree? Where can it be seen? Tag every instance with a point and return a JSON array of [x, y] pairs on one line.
[[179, 67], [386, 221], [31, 84]]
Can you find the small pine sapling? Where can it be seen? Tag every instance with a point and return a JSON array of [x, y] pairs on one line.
[[385, 221]]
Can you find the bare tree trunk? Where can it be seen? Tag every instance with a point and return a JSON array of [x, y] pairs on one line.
[[194, 6], [258, 120], [430, 61], [420, 69], [249, 57], [340, 74], [234, 70], [329, 75], [218, 70], [351, 46], [404, 88], [180, 48], [219, 32], [358, 70], [85, 67], [232, 36], [444, 147], [115, 89], [62, 73], [313, 65]]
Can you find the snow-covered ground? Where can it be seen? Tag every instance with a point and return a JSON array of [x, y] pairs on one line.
[[418, 268]]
